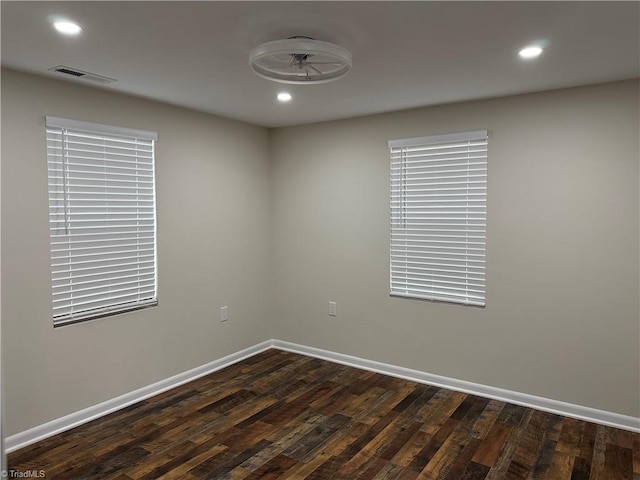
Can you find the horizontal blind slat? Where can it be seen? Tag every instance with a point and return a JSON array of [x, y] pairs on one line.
[[106, 289], [80, 278], [106, 300], [64, 268], [114, 260]]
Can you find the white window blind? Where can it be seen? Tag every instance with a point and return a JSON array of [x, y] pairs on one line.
[[101, 218], [439, 217]]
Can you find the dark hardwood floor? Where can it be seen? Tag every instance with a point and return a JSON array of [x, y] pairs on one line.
[[280, 415]]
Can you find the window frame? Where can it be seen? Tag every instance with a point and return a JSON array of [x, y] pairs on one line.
[[124, 160], [434, 258]]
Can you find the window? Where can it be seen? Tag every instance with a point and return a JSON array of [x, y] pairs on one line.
[[101, 219], [439, 217]]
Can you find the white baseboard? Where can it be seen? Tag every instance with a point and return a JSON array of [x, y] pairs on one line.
[[558, 407], [40, 432]]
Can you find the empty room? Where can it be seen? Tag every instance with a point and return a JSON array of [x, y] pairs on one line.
[[320, 240]]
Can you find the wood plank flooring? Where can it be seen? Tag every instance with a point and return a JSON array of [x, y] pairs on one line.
[[282, 416]]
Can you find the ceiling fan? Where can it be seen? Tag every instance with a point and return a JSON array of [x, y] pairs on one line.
[[300, 60]]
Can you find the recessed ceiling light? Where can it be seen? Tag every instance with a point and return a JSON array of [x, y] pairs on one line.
[[67, 28], [532, 51], [284, 97]]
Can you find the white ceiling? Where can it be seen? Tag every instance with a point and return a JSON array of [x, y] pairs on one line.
[[405, 54]]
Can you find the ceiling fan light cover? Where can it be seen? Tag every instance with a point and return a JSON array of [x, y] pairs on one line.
[[300, 61]]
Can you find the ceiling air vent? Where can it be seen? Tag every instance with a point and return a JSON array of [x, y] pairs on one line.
[[82, 75]]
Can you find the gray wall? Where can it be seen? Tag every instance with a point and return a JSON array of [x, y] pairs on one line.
[[213, 250], [277, 223], [562, 317], [3, 458]]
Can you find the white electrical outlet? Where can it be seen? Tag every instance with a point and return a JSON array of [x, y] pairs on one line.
[[224, 313], [333, 309]]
